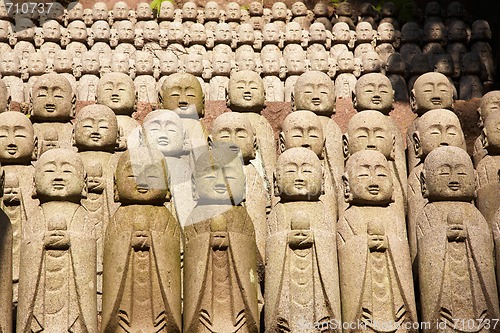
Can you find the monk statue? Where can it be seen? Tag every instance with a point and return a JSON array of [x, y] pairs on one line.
[[183, 94], [314, 91], [6, 240], [142, 267], [17, 150], [247, 96], [302, 282], [489, 103], [374, 258], [430, 91], [220, 265], [456, 264], [117, 91], [53, 106], [57, 280]]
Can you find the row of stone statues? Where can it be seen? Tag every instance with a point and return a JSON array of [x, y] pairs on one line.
[[314, 230]]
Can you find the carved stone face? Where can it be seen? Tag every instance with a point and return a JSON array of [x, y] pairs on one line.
[[163, 129], [233, 11], [5, 29], [315, 91], [319, 61], [303, 129], [246, 91], [293, 32], [457, 31], [438, 128], [298, 175], [52, 97], [246, 33], [410, 32], [16, 138], [255, 8], [492, 131], [166, 10], [189, 11], [270, 62], [120, 10], [295, 60], [182, 93], [299, 9], [77, 30], [151, 31], [317, 32], [59, 176], [345, 61], [88, 18], [75, 11], [371, 62], [444, 64], [245, 60], [51, 30], [120, 62], [175, 31], [117, 91], [10, 64], [364, 31], [100, 11], [386, 31], [194, 64], [144, 12], [222, 32], [212, 10], [168, 63], [36, 64], [221, 63], [270, 33], [143, 62], [126, 31], [101, 30], [449, 175], [63, 62], [370, 130], [369, 179], [489, 103], [219, 177], [236, 130], [96, 128], [434, 31], [396, 64], [279, 11], [25, 29], [432, 91], [374, 92], [90, 62], [341, 32], [388, 9], [197, 33], [140, 177], [481, 30]]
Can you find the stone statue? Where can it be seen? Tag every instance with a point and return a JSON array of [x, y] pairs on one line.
[[235, 130], [372, 130], [145, 83], [221, 70], [300, 15], [6, 247], [144, 12], [183, 94], [51, 31], [455, 244], [411, 33], [302, 282], [314, 91], [295, 62], [365, 33], [319, 35], [371, 63], [486, 54], [18, 145], [271, 34], [63, 64], [345, 14], [4, 97], [77, 31], [270, 57], [430, 91], [396, 70], [480, 31], [246, 35], [87, 17], [142, 272], [166, 11], [389, 13], [212, 14], [117, 91], [345, 81], [10, 68], [245, 58], [75, 11], [293, 33], [87, 83], [120, 11], [470, 85], [439, 127], [100, 11], [256, 11], [53, 105], [220, 266], [319, 60], [247, 96], [457, 32], [488, 104], [374, 259], [57, 290]]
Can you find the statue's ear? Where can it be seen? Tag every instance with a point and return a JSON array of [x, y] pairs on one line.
[[34, 194], [281, 142], [423, 185], [2, 182], [255, 146], [9, 99], [484, 138], [73, 106], [34, 154], [345, 146], [417, 147], [354, 100], [413, 101], [228, 101], [277, 189], [196, 196], [116, 196], [393, 150], [210, 141], [292, 101], [347, 189], [160, 97], [73, 140]]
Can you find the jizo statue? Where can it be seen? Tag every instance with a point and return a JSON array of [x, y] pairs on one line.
[[488, 104], [372, 236], [57, 279]]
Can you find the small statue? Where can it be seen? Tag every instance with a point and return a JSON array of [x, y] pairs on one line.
[[87, 83], [117, 91], [218, 86], [120, 11], [4, 97], [319, 35], [142, 271], [365, 33], [145, 83], [74, 11], [10, 69], [480, 31], [389, 13], [272, 68], [189, 13], [301, 15], [377, 292], [166, 13], [342, 36], [396, 72], [77, 31], [220, 240], [295, 62], [346, 14], [212, 15], [483, 49], [411, 33], [57, 290], [488, 104], [455, 244], [470, 85], [279, 14], [256, 11], [345, 81], [457, 32], [100, 11], [271, 34], [302, 282], [245, 58]]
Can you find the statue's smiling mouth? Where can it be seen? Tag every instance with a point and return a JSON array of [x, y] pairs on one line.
[[12, 149], [247, 96], [58, 184], [436, 100], [221, 189], [115, 99], [142, 189], [299, 184], [183, 105], [95, 136], [373, 189], [163, 141], [454, 186], [316, 101], [376, 100], [50, 107]]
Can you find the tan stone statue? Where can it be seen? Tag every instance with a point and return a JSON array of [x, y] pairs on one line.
[[439, 127], [142, 273], [57, 290], [488, 104], [10, 68], [247, 96], [145, 83], [220, 266], [302, 286], [18, 149], [345, 81], [272, 68], [455, 245], [87, 83], [314, 91], [430, 91], [183, 94], [374, 260], [117, 91], [6, 246], [53, 105]]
